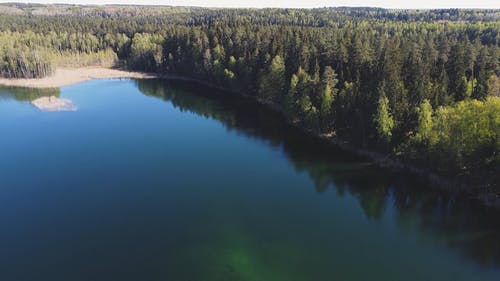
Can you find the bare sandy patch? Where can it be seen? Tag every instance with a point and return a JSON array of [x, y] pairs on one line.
[[54, 103], [68, 76]]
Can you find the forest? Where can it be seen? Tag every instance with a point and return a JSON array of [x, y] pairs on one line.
[[420, 86]]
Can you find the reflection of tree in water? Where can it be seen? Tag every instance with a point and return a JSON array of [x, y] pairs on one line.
[[447, 219], [27, 94], [456, 222]]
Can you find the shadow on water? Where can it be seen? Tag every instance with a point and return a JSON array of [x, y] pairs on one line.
[[27, 94], [449, 219]]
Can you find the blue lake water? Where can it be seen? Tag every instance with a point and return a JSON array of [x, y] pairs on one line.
[[162, 180]]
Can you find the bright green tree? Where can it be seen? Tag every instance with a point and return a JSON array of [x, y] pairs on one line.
[[383, 119], [425, 123]]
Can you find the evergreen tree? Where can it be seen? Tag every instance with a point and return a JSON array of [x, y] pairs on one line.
[[328, 94], [272, 85]]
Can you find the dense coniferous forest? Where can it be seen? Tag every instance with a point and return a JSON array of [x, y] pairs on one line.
[[422, 86]]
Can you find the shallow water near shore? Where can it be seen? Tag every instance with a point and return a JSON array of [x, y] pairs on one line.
[[162, 180]]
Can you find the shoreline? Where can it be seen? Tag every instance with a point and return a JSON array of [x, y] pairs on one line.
[[69, 76], [487, 197]]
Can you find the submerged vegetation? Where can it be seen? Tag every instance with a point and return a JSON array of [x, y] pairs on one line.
[[420, 85], [377, 191]]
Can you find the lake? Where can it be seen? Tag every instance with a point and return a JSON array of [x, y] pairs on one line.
[[163, 180]]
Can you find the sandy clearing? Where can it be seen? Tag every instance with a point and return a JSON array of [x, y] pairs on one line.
[[69, 76]]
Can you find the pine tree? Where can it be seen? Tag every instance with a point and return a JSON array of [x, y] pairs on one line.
[[329, 92], [291, 98], [272, 85]]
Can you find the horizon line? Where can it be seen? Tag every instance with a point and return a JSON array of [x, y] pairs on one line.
[[242, 7]]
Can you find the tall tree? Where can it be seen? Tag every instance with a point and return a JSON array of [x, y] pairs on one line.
[[383, 119], [272, 84]]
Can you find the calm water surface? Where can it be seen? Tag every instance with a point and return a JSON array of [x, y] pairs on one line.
[[156, 180]]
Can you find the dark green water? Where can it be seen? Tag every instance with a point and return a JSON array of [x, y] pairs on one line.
[[153, 180]]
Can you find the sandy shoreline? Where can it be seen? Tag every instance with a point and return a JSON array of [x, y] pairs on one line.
[[68, 76]]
